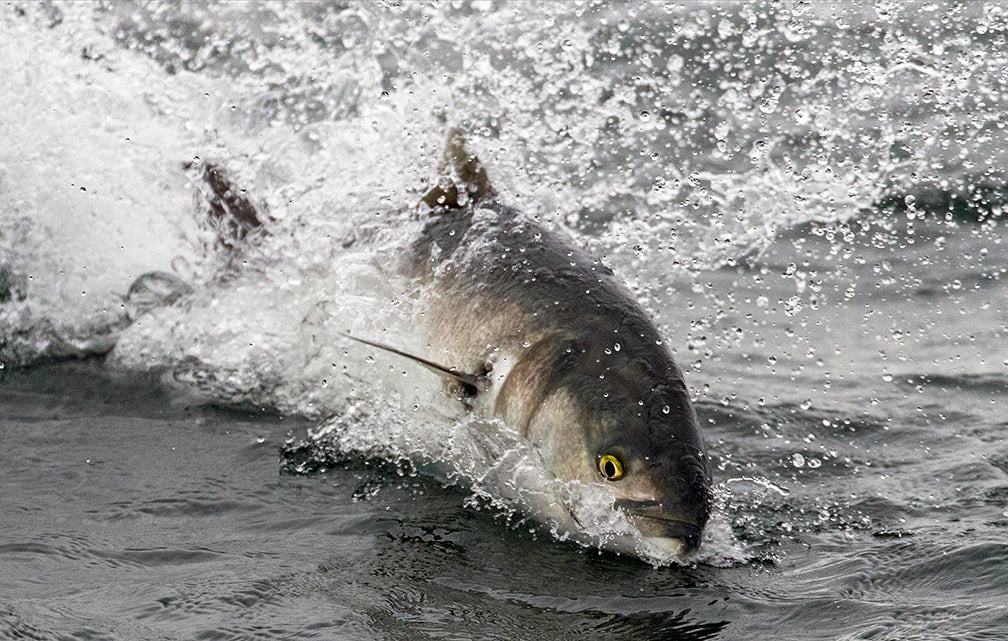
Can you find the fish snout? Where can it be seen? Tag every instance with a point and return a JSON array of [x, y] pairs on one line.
[[657, 523]]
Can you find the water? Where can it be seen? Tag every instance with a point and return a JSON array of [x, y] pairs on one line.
[[808, 198]]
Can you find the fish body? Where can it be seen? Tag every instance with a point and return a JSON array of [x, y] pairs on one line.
[[569, 359]]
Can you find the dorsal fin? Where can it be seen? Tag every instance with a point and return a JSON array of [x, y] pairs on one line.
[[459, 168], [470, 383]]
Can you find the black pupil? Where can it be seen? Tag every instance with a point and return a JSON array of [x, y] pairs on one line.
[[609, 468]]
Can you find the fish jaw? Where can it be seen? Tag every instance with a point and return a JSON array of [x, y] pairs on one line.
[[679, 538], [663, 548], [665, 531]]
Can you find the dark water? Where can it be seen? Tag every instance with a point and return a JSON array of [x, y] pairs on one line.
[[132, 514], [808, 198]]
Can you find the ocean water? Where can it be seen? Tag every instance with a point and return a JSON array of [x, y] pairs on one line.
[[807, 197]]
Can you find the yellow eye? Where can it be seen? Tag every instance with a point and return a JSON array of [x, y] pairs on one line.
[[611, 467]]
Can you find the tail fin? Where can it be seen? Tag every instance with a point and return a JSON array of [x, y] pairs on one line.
[[460, 169]]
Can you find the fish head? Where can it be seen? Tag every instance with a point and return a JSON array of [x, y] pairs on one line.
[[626, 421]]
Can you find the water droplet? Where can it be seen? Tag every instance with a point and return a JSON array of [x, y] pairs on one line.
[[793, 305], [797, 460]]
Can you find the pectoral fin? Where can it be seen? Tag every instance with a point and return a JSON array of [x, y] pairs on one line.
[[469, 383]]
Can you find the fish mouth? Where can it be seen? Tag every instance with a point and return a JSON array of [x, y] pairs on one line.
[[667, 531]]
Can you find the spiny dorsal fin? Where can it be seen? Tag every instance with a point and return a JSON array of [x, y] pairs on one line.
[[470, 383], [459, 168]]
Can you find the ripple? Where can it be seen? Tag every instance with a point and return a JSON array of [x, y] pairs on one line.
[[994, 384]]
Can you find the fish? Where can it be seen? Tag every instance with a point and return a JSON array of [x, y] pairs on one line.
[[530, 331], [529, 328]]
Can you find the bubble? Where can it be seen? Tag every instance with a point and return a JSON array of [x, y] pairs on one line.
[[797, 460]]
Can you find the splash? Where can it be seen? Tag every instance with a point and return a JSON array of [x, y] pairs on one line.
[[502, 473], [673, 139]]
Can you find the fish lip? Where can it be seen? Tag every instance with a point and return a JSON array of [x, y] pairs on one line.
[[654, 522]]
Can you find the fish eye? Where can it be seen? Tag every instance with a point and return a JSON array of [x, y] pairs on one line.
[[611, 467]]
